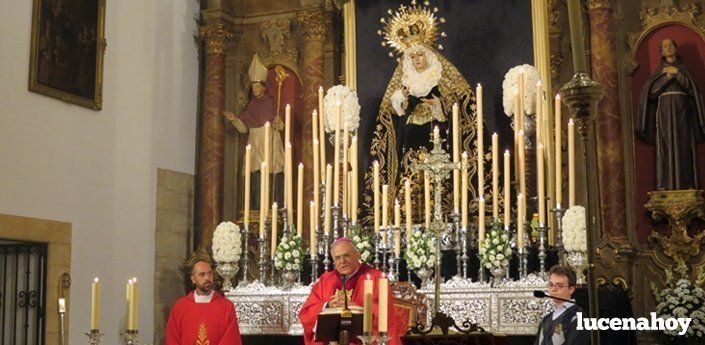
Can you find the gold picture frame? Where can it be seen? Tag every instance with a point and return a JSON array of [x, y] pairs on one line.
[[67, 48]]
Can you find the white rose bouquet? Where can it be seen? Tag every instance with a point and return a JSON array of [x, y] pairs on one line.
[[289, 255], [226, 242], [363, 243], [496, 250], [421, 251], [574, 229], [510, 87], [682, 298], [350, 104]]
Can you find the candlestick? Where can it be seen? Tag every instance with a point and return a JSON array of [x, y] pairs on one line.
[[300, 200], [95, 304], [93, 336], [495, 176], [520, 220]]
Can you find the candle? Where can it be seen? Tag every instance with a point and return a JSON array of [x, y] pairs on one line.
[[407, 209], [507, 196], [346, 144], [576, 36], [336, 156], [385, 205], [397, 213], [314, 138], [495, 176], [367, 306], [133, 304], [559, 177], [288, 201], [353, 189], [329, 181], [287, 123], [480, 145], [316, 176], [520, 221], [397, 228], [267, 150], [300, 201], [464, 191], [248, 164], [436, 134], [481, 221], [520, 111], [541, 185], [522, 163], [376, 194], [516, 131], [456, 159], [322, 133], [382, 304], [262, 195], [539, 113], [128, 297], [95, 304], [312, 231], [427, 197], [571, 163], [273, 248]]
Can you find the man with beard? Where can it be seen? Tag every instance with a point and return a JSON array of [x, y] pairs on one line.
[[671, 116], [203, 316]]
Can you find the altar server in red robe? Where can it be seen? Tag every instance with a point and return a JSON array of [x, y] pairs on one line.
[[203, 316], [324, 294]]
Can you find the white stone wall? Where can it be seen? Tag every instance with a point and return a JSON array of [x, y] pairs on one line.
[[98, 170]]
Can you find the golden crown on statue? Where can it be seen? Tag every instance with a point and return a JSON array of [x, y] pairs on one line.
[[411, 25]]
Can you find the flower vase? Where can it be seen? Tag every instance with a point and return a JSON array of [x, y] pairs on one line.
[[227, 270], [499, 273], [578, 260], [289, 278], [424, 274]]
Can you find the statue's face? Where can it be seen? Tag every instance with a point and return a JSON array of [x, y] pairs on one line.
[[345, 258], [418, 58], [258, 89], [668, 48]]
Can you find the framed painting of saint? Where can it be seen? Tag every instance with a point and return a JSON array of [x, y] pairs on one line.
[[66, 54]]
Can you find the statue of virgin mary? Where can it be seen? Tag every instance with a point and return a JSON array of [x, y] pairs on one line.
[[419, 97]]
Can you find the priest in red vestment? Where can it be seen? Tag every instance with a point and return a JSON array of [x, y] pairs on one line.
[[346, 259], [203, 316]]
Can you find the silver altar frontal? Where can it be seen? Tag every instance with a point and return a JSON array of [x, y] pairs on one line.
[[508, 308]]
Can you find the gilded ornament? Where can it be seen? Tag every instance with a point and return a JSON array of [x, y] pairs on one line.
[[314, 24], [216, 37], [411, 25]]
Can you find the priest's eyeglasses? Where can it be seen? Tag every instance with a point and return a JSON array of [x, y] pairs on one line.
[[344, 257]]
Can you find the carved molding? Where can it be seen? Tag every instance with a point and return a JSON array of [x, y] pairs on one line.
[[556, 63], [276, 33], [314, 24], [554, 15], [687, 14], [600, 5], [216, 37]]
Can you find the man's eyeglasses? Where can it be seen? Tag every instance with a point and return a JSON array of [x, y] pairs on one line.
[[557, 286]]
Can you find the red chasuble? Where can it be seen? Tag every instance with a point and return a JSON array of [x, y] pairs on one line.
[[213, 323], [329, 283]]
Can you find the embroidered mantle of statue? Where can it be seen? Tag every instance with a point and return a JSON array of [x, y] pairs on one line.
[[419, 96], [671, 116]]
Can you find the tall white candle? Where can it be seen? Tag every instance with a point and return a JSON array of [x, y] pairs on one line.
[[520, 220], [312, 231], [300, 200], [480, 145], [495, 176], [481, 222], [427, 198], [329, 197], [322, 134], [95, 304], [383, 304], [267, 152], [248, 165], [407, 209], [375, 183], [456, 158], [540, 188], [559, 170], [385, 205], [353, 188], [464, 193], [346, 144], [336, 155], [571, 163], [316, 176], [507, 184], [262, 196], [273, 247]]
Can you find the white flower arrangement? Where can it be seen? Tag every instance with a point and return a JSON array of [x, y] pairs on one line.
[[574, 230], [289, 255], [350, 104], [226, 242], [364, 245], [510, 87], [496, 250], [421, 251], [682, 298]]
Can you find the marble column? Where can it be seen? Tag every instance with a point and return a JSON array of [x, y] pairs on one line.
[[610, 155], [313, 24], [212, 134]]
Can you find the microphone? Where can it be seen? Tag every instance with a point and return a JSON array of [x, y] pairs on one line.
[[541, 294], [345, 293]]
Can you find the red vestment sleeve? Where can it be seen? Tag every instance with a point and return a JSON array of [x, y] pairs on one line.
[[313, 305]]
